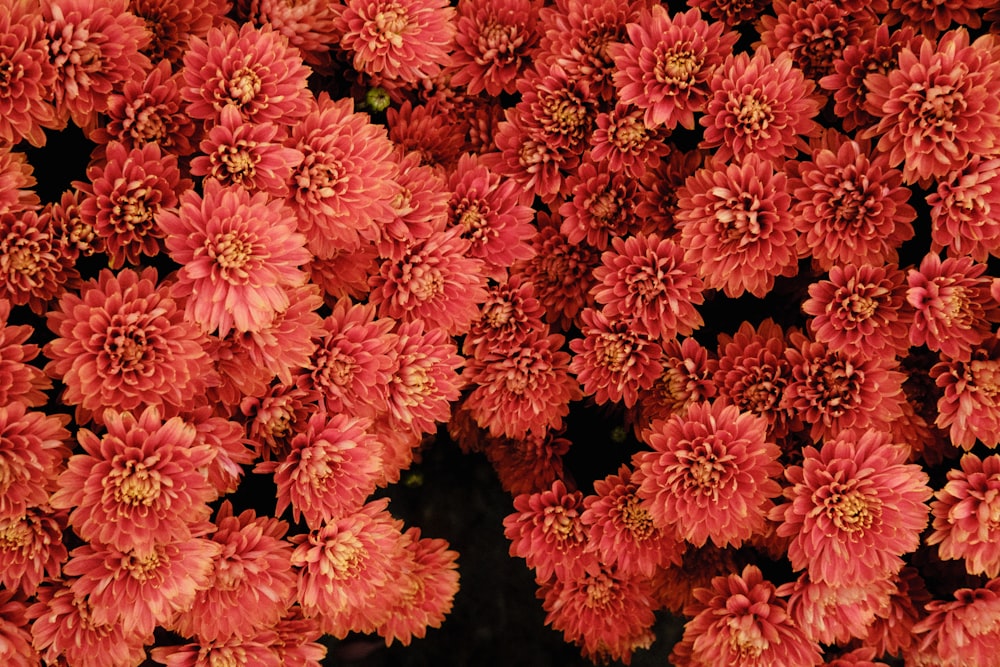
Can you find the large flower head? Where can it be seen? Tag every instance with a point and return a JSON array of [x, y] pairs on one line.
[[494, 41], [33, 269], [969, 406], [963, 210], [31, 548], [964, 514], [626, 143], [853, 508], [601, 204], [507, 317], [309, 25], [32, 451], [237, 253], [562, 273], [24, 105], [711, 474]]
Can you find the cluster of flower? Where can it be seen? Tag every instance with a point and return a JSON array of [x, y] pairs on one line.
[[255, 276]]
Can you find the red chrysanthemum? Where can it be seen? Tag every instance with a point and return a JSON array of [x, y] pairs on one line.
[[963, 210], [939, 106], [667, 64], [933, 17], [433, 131], [962, 631], [399, 40], [238, 252], [952, 303], [612, 361], [963, 514], [171, 24], [507, 317], [530, 464], [17, 182], [849, 208], [419, 208], [546, 529], [562, 273], [686, 379], [969, 406], [252, 69], [94, 46], [740, 620], [139, 484], [276, 416], [731, 12], [24, 105], [15, 633], [556, 109], [32, 453], [760, 106], [19, 380], [600, 205], [661, 186], [256, 651], [835, 613], [31, 549], [494, 42], [345, 273], [526, 389], [853, 508], [251, 584], [623, 140], [710, 475], [33, 270], [892, 630], [530, 161], [736, 225], [309, 25]]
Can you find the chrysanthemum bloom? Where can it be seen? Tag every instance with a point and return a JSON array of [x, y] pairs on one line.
[[527, 465], [148, 110], [711, 474], [230, 449], [139, 484], [251, 583], [740, 620], [831, 390], [661, 186], [969, 407], [526, 389], [731, 12], [963, 631], [557, 110], [426, 588], [933, 18], [861, 311], [435, 280], [94, 46], [736, 225], [667, 63], [237, 253], [250, 155], [963, 513], [686, 379], [124, 343], [17, 182], [237, 651], [760, 106], [953, 306], [32, 453], [140, 589], [276, 416], [622, 532], [31, 548], [494, 42], [331, 468], [75, 237], [853, 508], [252, 69], [24, 92], [607, 613], [622, 139], [342, 189], [345, 273], [419, 207], [645, 281], [507, 317], [33, 270], [297, 643], [348, 568], [835, 614], [849, 208], [859, 657], [15, 633], [562, 273], [753, 373], [963, 210], [939, 106], [19, 380], [530, 161], [891, 631], [600, 205], [308, 25], [425, 378], [814, 33], [612, 361], [546, 529], [674, 586], [64, 629], [435, 134]]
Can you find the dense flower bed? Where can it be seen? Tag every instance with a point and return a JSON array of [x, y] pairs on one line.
[[312, 238]]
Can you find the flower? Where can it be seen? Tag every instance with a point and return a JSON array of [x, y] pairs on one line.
[[400, 40], [666, 65], [961, 210], [625, 142], [507, 318], [602, 205], [494, 41], [962, 515], [309, 25], [686, 379], [760, 106], [736, 225], [740, 620], [547, 531], [835, 613], [556, 109], [32, 451], [124, 343], [892, 630], [16, 183], [562, 273], [33, 270], [420, 206], [530, 464], [240, 651], [731, 12], [934, 17], [939, 106], [19, 380], [433, 131], [853, 508], [237, 253], [276, 416], [15, 638], [345, 273], [138, 485], [526, 389], [953, 308], [331, 467], [710, 475], [252, 69], [849, 208], [24, 105], [963, 630], [31, 548], [968, 406], [537, 165]]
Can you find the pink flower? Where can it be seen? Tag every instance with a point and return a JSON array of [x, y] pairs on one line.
[[419, 207], [239, 651], [547, 531], [666, 65], [530, 464], [19, 380], [24, 92], [853, 509], [15, 633], [33, 270], [935, 17], [17, 182], [138, 485], [601, 205], [968, 406], [740, 620], [562, 273], [31, 549], [276, 416], [402, 40], [736, 225], [237, 253], [962, 514], [494, 41], [760, 106], [892, 630], [124, 343], [309, 25], [507, 318], [710, 475], [556, 109], [939, 106], [535, 164], [433, 131], [686, 379], [345, 273], [962, 218], [849, 209], [32, 452], [962, 631], [252, 69], [626, 143], [731, 12], [835, 613]]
